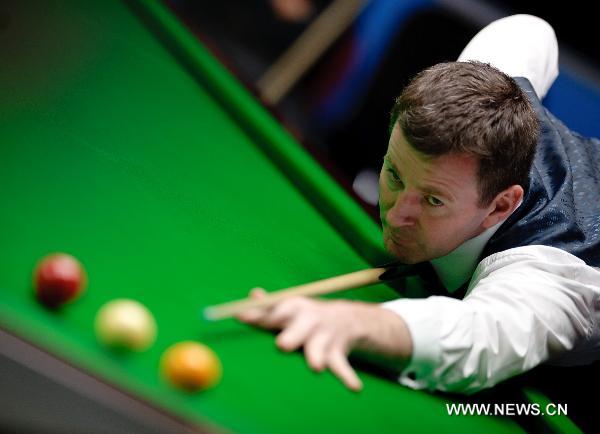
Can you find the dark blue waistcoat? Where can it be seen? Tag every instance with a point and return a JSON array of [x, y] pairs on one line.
[[561, 206]]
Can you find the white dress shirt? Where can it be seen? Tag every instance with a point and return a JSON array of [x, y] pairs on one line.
[[520, 46], [524, 306]]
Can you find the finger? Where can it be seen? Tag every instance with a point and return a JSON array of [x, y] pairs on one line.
[[316, 349], [258, 293], [339, 365], [280, 315], [295, 333], [254, 315]]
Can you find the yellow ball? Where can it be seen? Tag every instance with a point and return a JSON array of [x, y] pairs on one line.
[[125, 324], [191, 366]]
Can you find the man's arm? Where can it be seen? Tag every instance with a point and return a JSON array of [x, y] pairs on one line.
[[526, 305], [329, 330]]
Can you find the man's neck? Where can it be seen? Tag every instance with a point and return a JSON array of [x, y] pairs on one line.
[[457, 267]]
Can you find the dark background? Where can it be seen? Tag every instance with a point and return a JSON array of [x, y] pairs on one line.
[[249, 35]]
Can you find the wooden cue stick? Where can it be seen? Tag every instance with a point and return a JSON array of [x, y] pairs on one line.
[[309, 46], [319, 287]]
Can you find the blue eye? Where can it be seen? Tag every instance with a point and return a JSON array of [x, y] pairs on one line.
[[433, 201]]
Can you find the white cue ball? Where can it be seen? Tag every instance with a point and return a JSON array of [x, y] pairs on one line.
[[126, 324]]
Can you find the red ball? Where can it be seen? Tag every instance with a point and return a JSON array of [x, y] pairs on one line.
[[59, 278]]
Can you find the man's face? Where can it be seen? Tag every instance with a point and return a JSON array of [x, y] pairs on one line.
[[428, 207]]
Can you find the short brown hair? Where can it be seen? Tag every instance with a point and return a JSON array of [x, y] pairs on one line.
[[471, 108]]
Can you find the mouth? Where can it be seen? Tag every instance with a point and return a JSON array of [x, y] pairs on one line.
[[392, 235], [398, 241]]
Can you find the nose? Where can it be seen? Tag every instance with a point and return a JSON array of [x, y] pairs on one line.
[[406, 209]]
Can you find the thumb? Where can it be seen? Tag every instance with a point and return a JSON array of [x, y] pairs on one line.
[[258, 293], [254, 314]]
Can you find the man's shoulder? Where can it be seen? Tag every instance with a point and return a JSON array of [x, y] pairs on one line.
[[533, 263], [529, 253], [531, 257]]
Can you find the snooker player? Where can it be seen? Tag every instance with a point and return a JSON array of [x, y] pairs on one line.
[[503, 201]]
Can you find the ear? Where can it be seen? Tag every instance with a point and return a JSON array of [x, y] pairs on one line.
[[503, 205]]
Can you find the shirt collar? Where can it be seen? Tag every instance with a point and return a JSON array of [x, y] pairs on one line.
[[457, 267]]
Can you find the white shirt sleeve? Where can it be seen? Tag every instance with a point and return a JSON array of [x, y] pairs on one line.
[[520, 46], [524, 306]]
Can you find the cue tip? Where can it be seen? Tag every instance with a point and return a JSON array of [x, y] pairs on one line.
[[208, 314]]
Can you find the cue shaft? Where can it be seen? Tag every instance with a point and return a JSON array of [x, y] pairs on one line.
[[319, 287], [303, 53]]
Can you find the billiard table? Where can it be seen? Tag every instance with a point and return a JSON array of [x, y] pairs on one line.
[[125, 143]]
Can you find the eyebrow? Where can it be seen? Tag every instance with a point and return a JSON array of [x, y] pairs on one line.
[[426, 189]]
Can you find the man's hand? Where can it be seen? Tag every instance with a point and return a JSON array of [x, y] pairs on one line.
[[329, 330]]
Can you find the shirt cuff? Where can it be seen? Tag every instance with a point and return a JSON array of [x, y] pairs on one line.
[[426, 350]]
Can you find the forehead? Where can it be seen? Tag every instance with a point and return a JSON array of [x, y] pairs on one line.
[[453, 175]]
